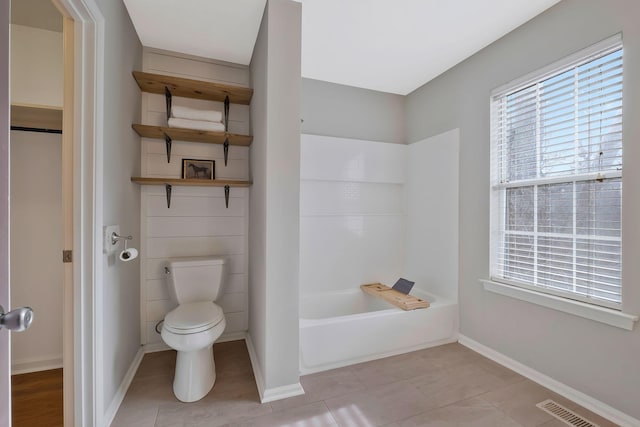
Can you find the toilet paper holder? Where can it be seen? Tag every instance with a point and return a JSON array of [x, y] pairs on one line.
[[128, 254], [115, 238]]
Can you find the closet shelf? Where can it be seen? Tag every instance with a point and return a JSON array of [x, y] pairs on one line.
[[188, 88], [190, 182], [192, 135]]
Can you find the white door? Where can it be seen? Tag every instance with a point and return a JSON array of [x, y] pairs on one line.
[[21, 318], [5, 351]]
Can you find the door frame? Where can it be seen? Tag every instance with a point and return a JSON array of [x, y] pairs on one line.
[[5, 296], [82, 356]]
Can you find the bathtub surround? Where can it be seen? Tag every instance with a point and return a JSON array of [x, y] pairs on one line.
[[599, 360], [432, 212], [275, 202], [374, 212], [391, 209], [351, 213]]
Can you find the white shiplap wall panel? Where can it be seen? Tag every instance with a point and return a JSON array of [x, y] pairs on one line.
[[157, 166], [155, 146], [174, 64], [198, 223], [154, 159], [186, 205], [170, 247], [157, 288], [155, 266], [158, 308], [195, 226]]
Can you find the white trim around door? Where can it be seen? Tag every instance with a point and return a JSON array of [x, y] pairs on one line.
[[87, 210]]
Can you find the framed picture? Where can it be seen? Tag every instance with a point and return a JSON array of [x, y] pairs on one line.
[[198, 169]]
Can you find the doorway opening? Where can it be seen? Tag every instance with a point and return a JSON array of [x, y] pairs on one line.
[[37, 224]]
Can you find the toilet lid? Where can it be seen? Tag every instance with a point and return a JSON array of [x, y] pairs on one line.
[[193, 317]]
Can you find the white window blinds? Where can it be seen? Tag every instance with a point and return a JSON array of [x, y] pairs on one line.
[[557, 179]]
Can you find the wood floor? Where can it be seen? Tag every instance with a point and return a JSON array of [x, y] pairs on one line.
[[37, 399]]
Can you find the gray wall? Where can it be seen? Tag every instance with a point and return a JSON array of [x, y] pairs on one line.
[[599, 360], [332, 109], [275, 196], [121, 202], [258, 196]]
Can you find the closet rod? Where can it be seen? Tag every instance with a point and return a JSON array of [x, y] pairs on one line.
[[41, 130]]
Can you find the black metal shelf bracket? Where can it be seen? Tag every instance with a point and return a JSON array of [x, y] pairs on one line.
[[167, 142], [226, 150], [226, 130], [168, 188], [226, 196], [226, 113], [167, 95]]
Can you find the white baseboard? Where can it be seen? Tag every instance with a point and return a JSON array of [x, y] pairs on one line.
[[25, 366], [282, 392], [122, 390], [269, 394], [257, 372], [588, 402], [155, 347], [232, 336]]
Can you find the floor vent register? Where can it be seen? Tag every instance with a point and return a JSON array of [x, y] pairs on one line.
[[565, 415]]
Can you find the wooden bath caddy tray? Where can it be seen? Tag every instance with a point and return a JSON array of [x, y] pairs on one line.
[[405, 302]]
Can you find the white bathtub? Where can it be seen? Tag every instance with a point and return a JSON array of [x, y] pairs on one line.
[[347, 327]]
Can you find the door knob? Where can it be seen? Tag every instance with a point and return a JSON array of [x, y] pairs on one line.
[[16, 320]]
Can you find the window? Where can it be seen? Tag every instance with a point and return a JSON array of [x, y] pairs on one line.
[[556, 184]]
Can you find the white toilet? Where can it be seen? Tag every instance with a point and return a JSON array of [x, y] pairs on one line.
[[197, 322]]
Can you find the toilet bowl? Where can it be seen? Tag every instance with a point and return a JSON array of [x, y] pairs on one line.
[[193, 326]]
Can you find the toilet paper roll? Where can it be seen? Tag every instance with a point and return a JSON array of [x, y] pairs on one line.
[[128, 254]]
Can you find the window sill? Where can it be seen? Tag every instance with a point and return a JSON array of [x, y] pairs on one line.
[[588, 311]]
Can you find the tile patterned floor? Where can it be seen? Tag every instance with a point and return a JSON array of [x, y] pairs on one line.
[[448, 385]]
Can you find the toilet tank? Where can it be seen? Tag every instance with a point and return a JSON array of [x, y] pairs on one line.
[[195, 279]]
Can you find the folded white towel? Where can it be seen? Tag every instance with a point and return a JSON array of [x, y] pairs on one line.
[[194, 114], [195, 124]]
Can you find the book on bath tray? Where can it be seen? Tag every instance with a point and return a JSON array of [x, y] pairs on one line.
[[403, 285]]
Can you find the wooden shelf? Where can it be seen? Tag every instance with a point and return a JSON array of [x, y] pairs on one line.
[[27, 116], [155, 83], [190, 182], [192, 135]]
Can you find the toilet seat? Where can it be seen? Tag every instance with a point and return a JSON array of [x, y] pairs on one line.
[[193, 317]]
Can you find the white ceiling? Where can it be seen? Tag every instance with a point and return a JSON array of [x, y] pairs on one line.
[[218, 29], [386, 45], [398, 45]]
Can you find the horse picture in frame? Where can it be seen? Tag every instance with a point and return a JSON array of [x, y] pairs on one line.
[[198, 169]]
